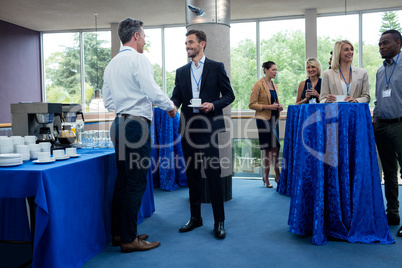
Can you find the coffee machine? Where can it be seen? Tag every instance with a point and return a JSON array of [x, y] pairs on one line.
[[35, 118], [67, 128]]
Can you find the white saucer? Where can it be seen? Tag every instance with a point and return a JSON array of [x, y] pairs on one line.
[[75, 155], [10, 155], [62, 158], [10, 165], [195, 106], [51, 160]]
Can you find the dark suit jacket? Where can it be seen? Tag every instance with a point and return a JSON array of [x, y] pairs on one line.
[[215, 88]]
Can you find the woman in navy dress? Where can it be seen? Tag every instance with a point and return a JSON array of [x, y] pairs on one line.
[[264, 100]]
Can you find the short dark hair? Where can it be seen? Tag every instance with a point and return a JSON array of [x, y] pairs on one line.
[[127, 28], [201, 36], [396, 35], [267, 65]]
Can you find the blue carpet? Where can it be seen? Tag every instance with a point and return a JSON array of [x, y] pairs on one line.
[[257, 236]]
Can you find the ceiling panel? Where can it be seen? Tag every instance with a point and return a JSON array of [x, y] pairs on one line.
[[56, 15]]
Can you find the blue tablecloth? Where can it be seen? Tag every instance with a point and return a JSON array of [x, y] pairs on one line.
[[330, 170], [167, 155], [73, 199]]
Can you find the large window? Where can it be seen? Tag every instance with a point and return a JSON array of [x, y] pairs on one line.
[[175, 54], [243, 62], [97, 52], [153, 51], [63, 68], [282, 41], [343, 27], [373, 25]]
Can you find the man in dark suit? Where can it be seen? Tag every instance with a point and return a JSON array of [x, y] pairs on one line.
[[199, 126]]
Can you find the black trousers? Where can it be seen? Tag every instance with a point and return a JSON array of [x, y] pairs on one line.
[[132, 143], [388, 137], [202, 162]]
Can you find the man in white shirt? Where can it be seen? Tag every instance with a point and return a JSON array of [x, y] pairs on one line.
[[130, 89]]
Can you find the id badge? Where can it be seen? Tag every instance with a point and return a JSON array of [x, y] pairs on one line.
[[386, 93]]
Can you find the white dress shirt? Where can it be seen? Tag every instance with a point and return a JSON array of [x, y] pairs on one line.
[[129, 86], [196, 77]]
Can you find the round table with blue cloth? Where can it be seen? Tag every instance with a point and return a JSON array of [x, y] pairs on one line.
[[330, 170], [168, 166]]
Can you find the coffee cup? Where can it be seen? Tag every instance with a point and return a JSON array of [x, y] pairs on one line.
[[340, 98], [58, 153], [30, 139], [195, 102], [45, 146], [6, 148], [43, 156], [17, 140], [34, 149], [24, 151], [71, 151]]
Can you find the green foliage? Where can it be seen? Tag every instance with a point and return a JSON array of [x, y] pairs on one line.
[[371, 62], [243, 69], [390, 21], [63, 71], [286, 49]]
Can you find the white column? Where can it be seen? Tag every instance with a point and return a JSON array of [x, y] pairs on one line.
[[115, 38], [311, 32]]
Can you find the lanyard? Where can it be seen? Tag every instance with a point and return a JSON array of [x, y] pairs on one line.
[[125, 50], [199, 80], [347, 84], [393, 69]]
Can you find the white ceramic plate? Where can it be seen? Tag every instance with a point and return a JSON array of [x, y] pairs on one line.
[[51, 160], [10, 156], [195, 106], [62, 158], [76, 155], [10, 165]]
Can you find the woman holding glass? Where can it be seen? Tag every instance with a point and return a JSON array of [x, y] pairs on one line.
[[264, 100], [309, 90], [344, 82]]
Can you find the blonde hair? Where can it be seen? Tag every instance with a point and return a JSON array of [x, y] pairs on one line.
[[336, 59], [315, 63]]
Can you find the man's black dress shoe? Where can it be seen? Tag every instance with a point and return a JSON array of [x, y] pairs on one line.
[[191, 224], [219, 230], [399, 233], [393, 219]]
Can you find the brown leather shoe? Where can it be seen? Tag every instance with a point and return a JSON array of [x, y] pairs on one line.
[[116, 239], [138, 245]]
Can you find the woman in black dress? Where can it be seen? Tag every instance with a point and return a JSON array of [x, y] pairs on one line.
[[309, 90]]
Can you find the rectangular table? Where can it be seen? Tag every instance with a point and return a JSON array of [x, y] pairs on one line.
[[330, 170], [73, 199]]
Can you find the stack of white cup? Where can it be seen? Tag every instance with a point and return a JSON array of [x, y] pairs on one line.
[[30, 140], [6, 145], [17, 140], [24, 151], [34, 149]]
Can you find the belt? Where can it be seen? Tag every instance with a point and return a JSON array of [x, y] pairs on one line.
[[390, 121], [129, 116]]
